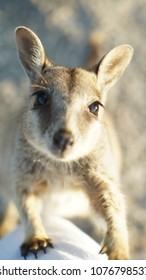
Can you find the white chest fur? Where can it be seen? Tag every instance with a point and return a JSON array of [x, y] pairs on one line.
[[67, 197]]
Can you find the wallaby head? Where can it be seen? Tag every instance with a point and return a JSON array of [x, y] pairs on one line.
[[66, 105]]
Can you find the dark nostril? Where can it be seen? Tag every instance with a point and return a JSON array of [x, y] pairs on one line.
[[62, 139]]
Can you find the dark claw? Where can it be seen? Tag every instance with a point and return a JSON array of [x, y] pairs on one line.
[[35, 254], [34, 246], [44, 250], [103, 250], [51, 245], [24, 250]]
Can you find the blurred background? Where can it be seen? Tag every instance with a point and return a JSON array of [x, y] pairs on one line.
[[65, 28]]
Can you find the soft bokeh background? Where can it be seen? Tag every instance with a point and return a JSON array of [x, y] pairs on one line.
[[64, 28]]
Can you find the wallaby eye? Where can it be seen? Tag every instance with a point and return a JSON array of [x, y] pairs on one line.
[[94, 108], [41, 99]]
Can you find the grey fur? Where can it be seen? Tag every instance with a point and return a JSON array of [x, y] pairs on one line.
[[89, 162]]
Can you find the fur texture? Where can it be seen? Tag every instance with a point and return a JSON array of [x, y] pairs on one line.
[[65, 140]]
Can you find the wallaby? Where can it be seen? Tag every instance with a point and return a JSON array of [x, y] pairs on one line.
[[64, 139]]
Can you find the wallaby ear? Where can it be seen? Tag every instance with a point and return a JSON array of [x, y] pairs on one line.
[[112, 66], [31, 52]]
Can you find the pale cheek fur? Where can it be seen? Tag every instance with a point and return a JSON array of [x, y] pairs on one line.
[[32, 130], [87, 142]]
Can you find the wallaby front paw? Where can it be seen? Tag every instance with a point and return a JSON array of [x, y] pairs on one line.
[[34, 245], [115, 247], [115, 254]]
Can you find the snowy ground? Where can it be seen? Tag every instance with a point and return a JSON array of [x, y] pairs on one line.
[[69, 242]]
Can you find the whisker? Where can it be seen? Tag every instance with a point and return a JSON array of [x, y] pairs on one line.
[[38, 86], [41, 76], [5, 121], [11, 117]]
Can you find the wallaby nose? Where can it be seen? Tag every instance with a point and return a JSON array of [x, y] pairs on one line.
[[62, 139]]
